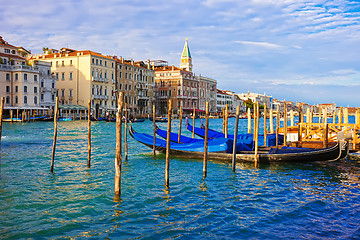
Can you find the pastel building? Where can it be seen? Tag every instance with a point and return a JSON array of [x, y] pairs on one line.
[[20, 80]]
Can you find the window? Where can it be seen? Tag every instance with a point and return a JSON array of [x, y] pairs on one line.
[[16, 89], [120, 86], [53, 97], [105, 63], [25, 89], [35, 78], [7, 89], [129, 87], [7, 50], [70, 75], [93, 90], [35, 100], [25, 77], [70, 92], [16, 76], [63, 93], [8, 77], [53, 84], [25, 99], [100, 62], [35, 89], [70, 62], [93, 61], [42, 97], [125, 87], [62, 76], [42, 83], [57, 76], [62, 63], [112, 76], [97, 61], [7, 100], [105, 75], [16, 100]]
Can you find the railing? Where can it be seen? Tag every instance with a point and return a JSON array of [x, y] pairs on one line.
[[100, 97], [327, 132]]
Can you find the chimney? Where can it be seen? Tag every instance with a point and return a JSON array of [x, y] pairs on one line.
[[172, 67]]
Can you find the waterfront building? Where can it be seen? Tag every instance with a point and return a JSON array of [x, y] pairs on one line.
[[82, 76], [224, 97], [136, 80], [19, 81], [183, 87], [263, 99]]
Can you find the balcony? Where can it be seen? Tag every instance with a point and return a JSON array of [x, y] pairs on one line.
[[101, 97], [98, 79]]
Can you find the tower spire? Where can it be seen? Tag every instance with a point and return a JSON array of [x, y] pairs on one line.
[[186, 60]]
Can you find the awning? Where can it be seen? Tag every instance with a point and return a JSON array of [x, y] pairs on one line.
[[72, 107]]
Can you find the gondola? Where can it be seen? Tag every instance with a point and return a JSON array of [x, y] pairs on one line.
[[271, 137], [158, 119], [220, 145], [244, 143], [266, 155]]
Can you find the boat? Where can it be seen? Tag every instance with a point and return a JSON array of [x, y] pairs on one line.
[[244, 143], [265, 155], [271, 137], [220, 145], [65, 119], [158, 119]]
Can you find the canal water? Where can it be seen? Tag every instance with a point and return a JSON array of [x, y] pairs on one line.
[[276, 201]]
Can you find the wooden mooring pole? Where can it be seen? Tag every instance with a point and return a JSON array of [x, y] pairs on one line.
[[55, 135], [180, 122], [285, 124], [118, 157], [226, 120], [167, 164], [154, 132], [235, 138], [125, 132], [256, 132], [271, 118], [89, 135], [249, 119], [1, 115], [206, 139], [193, 133], [277, 124], [265, 129]]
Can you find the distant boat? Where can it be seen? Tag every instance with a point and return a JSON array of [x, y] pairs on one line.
[[158, 119], [65, 119]]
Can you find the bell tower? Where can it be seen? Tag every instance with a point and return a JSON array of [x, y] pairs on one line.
[[186, 60]]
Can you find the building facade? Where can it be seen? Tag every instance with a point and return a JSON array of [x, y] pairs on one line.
[[19, 80], [183, 87], [230, 99]]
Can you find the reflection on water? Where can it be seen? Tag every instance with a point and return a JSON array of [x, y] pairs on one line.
[[311, 201]]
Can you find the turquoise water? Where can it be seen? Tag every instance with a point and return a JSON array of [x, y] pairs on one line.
[[282, 201]]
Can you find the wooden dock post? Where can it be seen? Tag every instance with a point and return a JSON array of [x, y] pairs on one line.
[[249, 119], [265, 129], [285, 124], [55, 135], [17, 114], [291, 118], [180, 122], [118, 157], [256, 132], [223, 116], [206, 139], [235, 138], [89, 135], [277, 124], [226, 120], [254, 116], [1, 115], [271, 118], [340, 116], [346, 115], [125, 132], [11, 115], [357, 117], [154, 132], [193, 133], [167, 165], [308, 115]]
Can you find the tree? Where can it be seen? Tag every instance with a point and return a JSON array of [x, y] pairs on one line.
[[249, 103]]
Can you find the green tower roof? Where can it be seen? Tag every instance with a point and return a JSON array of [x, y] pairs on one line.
[[186, 51]]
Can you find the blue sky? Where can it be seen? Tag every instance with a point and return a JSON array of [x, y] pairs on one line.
[[298, 50]]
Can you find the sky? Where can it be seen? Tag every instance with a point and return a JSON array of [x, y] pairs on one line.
[[297, 50]]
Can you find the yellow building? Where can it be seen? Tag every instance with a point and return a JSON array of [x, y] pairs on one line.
[[86, 75], [82, 76]]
